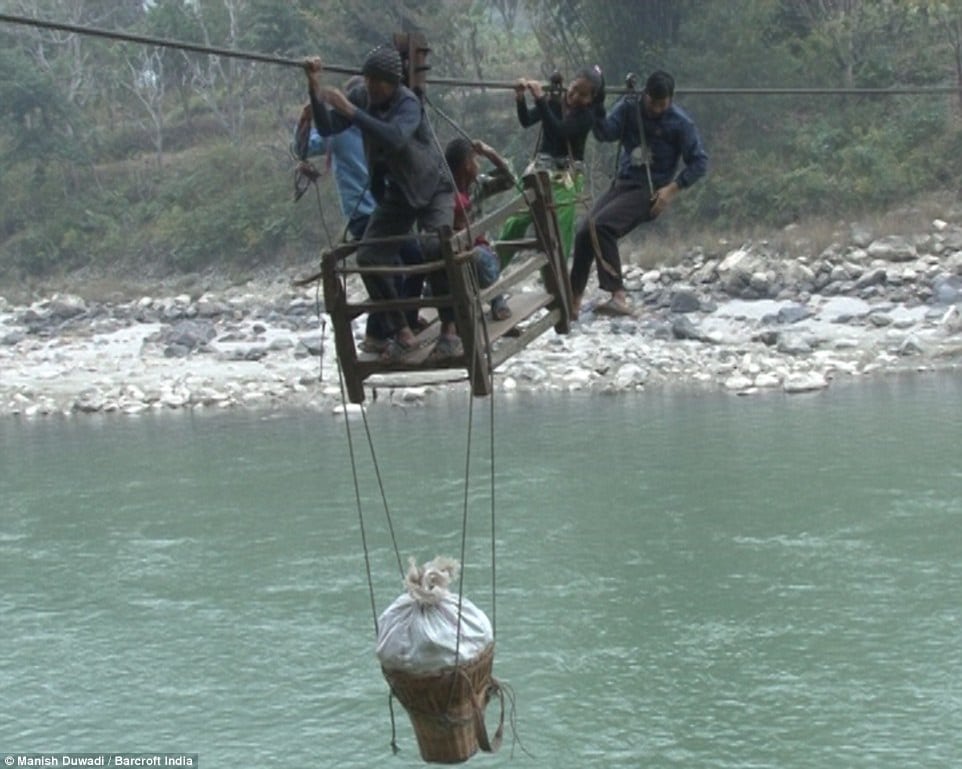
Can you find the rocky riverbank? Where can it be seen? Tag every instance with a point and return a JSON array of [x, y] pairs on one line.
[[748, 320]]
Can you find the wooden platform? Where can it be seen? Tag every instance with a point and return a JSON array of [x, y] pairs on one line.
[[536, 283]]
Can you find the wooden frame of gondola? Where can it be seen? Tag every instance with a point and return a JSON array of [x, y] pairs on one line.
[[487, 342]]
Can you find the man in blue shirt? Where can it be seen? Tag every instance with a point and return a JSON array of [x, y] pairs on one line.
[[647, 182], [346, 151]]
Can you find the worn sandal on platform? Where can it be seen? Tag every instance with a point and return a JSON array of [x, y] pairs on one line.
[[447, 347], [371, 344], [395, 350]]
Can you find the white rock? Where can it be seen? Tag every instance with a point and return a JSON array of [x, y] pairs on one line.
[[630, 375], [737, 382], [575, 379], [353, 410], [767, 380], [801, 382]]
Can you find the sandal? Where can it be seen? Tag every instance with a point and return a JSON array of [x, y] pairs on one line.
[[447, 347], [613, 307], [371, 344], [501, 312], [395, 350]]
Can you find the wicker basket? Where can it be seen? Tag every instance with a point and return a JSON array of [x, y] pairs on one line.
[[447, 708]]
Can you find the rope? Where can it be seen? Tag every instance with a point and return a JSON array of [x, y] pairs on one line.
[[450, 121], [487, 351], [477, 310], [131, 37], [350, 442], [380, 484], [357, 497]]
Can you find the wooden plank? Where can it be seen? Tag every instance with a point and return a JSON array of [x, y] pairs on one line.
[[516, 272], [462, 284], [494, 221], [335, 300], [508, 347], [555, 274], [523, 306]]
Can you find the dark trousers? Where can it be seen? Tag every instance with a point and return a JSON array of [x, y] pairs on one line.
[[394, 217], [409, 253], [623, 206]]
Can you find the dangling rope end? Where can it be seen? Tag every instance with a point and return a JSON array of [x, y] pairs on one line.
[[395, 748], [305, 174]]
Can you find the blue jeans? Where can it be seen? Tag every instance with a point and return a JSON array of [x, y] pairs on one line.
[[488, 265]]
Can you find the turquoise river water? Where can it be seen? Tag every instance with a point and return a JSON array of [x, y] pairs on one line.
[[681, 579]]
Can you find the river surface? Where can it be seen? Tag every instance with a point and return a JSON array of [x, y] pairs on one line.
[[680, 579]]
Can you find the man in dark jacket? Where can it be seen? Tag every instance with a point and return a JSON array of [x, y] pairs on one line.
[[647, 182], [408, 179]]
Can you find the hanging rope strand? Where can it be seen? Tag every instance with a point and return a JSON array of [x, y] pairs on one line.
[[494, 574], [449, 120], [380, 485], [357, 497]]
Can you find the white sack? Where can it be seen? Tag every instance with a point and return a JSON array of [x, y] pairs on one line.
[[418, 633]]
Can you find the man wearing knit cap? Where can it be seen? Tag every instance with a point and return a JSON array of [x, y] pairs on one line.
[[407, 178], [383, 63]]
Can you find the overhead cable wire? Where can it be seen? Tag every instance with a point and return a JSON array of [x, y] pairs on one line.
[[131, 37]]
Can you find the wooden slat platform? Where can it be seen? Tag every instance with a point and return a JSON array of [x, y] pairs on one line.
[[536, 284]]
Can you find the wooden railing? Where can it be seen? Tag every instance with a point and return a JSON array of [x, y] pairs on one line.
[[487, 342]]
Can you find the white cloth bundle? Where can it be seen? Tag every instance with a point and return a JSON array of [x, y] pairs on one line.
[[418, 633]]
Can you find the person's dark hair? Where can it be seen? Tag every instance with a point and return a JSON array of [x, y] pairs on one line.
[[457, 152], [660, 85], [594, 76]]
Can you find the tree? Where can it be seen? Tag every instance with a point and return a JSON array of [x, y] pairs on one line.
[[148, 85], [221, 81], [620, 35], [33, 116], [508, 10], [946, 18], [172, 20], [857, 36]]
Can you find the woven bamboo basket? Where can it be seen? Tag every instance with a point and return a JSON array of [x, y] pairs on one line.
[[446, 708]]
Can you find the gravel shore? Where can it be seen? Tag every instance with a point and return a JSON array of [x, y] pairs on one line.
[[746, 321]]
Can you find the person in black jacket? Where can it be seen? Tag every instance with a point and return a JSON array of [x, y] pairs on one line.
[[565, 123], [408, 178]]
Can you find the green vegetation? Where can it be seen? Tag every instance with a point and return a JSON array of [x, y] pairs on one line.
[[124, 159]]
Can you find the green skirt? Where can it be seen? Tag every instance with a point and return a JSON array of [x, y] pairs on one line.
[[566, 189]]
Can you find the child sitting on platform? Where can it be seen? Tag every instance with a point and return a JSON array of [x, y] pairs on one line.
[[471, 187]]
